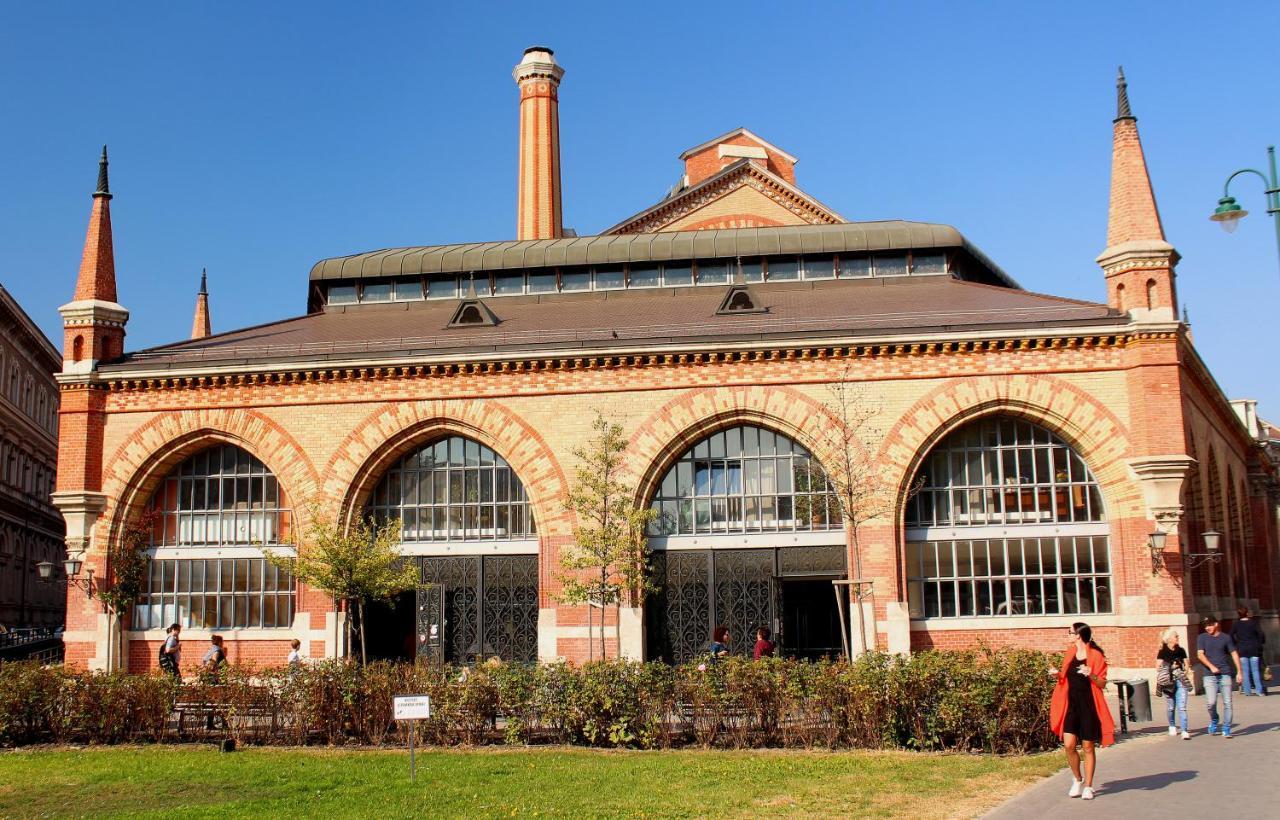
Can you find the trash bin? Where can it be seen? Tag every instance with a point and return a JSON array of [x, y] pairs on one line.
[[1139, 700]]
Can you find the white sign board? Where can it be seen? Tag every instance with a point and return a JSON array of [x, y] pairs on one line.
[[412, 707]]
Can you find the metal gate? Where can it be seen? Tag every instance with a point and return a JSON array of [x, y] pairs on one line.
[[481, 606]]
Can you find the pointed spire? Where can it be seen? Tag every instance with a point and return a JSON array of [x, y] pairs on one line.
[[1186, 315], [1133, 215], [1123, 111], [200, 326], [97, 279]]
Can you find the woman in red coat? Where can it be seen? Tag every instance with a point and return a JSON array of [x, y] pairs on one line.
[[1079, 713]]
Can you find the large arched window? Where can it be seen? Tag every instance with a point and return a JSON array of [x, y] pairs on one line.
[[1007, 520], [475, 601], [745, 479], [212, 516], [454, 489]]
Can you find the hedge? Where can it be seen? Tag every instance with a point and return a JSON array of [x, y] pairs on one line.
[[978, 700]]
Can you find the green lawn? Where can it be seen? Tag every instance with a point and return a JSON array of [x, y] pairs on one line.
[[200, 782]]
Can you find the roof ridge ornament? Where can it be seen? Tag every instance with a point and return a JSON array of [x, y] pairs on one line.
[[1123, 111], [204, 282], [739, 298], [104, 188]]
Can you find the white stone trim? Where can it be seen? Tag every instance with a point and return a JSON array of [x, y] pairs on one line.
[[1008, 531], [752, 540], [1000, 623]]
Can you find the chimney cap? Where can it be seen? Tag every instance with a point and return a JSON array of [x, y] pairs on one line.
[[532, 49], [538, 61]]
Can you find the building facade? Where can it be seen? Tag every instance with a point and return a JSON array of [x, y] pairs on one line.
[[31, 530], [1012, 452]]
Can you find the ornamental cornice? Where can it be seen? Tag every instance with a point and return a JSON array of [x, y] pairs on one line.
[[750, 177], [524, 363], [93, 312]]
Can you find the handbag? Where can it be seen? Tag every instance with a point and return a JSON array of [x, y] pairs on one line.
[[1266, 673]]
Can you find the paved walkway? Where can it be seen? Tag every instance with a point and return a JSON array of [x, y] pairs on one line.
[[1152, 775]]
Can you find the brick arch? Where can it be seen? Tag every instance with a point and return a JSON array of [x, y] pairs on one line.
[[394, 429], [152, 451], [1080, 419], [696, 414]]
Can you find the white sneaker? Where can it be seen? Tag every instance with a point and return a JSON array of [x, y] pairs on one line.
[[1173, 732], [1087, 794], [1076, 786], [1186, 735]]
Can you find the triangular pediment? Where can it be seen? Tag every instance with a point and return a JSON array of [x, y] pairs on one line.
[[742, 195]]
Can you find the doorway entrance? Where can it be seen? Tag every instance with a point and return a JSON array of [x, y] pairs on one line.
[[809, 623], [389, 628]]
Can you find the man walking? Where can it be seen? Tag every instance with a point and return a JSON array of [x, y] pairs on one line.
[[1217, 652]]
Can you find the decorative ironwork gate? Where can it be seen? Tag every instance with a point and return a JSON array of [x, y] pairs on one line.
[[739, 588], [486, 606]]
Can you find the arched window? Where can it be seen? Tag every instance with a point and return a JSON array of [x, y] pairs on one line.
[[454, 489], [476, 600], [1120, 297], [213, 515], [1151, 294], [1008, 520], [745, 479], [77, 348]]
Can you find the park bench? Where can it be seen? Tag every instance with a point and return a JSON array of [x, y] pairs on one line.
[[217, 702]]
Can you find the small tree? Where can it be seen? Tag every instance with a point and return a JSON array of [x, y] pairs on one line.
[[852, 472], [355, 565], [127, 565], [609, 557]]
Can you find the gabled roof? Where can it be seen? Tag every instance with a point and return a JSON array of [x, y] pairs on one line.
[[724, 179], [739, 132]]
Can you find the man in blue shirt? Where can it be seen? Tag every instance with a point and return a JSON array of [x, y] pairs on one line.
[[1217, 652]]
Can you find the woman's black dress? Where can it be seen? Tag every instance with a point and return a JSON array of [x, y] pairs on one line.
[[1082, 715]]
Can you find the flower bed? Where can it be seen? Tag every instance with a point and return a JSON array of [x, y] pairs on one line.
[[980, 700]]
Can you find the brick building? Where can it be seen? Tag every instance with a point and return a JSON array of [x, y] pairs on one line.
[[30, 529], [1025, 445]]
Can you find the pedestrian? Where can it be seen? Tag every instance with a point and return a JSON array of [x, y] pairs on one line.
[[1078, 712], [719, 642], [1216, 650], [1249, 639], [1173, 682], [171, 650], [295, 654], [764, 647], [213, 661]]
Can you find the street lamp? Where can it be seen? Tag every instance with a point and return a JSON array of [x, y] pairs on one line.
[[1211, 554], [71, 567], [1155, 544], [1229, 213]]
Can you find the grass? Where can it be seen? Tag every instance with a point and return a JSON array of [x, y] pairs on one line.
[[166, 782]]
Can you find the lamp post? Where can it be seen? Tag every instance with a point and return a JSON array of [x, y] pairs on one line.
[[71, 567], [1229, 213]]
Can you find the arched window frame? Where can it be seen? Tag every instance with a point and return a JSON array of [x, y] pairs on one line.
[[744, 479], [1008, 521]]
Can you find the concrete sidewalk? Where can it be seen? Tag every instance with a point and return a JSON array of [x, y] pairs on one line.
[[1149, 774]]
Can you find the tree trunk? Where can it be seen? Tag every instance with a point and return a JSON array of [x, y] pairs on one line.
[[364, 659], [617, 626]]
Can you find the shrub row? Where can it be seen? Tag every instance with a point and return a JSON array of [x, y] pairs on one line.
[[988, 700]]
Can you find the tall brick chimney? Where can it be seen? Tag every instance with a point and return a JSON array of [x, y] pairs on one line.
[[538, 202], [1138, 262], [200, 326]]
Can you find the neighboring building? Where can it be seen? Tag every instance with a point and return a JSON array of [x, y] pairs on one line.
[[31, 530], [1029, 443]]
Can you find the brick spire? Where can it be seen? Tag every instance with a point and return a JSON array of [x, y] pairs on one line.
[[97, 278], [1133, 214], [538, 213], [200, 326], [1138, 262]]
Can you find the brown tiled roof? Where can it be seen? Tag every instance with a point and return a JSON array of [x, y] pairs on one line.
[[610, 319]]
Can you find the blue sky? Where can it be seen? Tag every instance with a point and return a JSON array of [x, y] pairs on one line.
[[254, 139]]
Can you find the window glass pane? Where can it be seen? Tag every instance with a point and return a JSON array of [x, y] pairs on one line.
[[542, 282], [409, 290], [610, 278], [342, 294], [819, 267], [713, 273], [891, 265], [508, 284], [753, 271], [575, 280], [928, 263], [643, 276], [442, 288], [852, 267], [376, 292], [677, 275], [783, 270]]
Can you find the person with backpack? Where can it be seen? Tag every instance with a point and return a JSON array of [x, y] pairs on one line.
[[171, 651], [1173, 682], [1249, 639], [1078, 711], [213, 661]]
